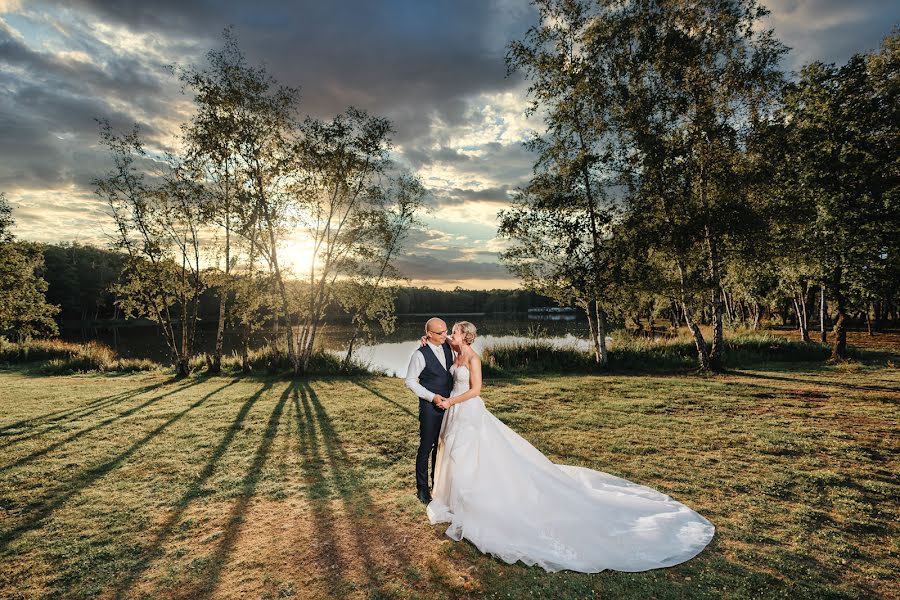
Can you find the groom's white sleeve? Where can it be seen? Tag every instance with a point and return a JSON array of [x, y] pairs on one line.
[[416, 365]]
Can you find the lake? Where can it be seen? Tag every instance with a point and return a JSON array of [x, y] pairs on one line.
[[388, 353]]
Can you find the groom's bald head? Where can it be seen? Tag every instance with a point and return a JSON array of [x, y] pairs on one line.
[[435, 331], [435, 325]]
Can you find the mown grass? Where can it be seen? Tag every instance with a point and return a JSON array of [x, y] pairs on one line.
[[141, 486]]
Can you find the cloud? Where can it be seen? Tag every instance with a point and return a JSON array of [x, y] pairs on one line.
[[428, 267], [830, 30], [435, 68]]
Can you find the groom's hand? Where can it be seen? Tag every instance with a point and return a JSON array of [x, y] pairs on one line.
[[438, 399]]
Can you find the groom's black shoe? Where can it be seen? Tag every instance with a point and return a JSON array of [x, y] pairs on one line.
[[423, 496]]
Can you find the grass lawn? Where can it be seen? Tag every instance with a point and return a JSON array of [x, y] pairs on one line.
[[140, 486]]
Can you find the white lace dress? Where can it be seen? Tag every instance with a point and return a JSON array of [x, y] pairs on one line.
[[500, 493]]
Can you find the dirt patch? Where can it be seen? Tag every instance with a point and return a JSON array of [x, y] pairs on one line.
[[305, 549]]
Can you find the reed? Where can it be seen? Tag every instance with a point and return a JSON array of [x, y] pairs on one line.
[[57, 357]]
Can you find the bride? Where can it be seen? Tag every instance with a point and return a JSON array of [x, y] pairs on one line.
[[500, 493]]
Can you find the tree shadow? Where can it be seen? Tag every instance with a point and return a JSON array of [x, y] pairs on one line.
[[154, 548], [45, 506], [71, 438], [385, 398], [330, 462], [58, 415], [247, 492], [837, 384]]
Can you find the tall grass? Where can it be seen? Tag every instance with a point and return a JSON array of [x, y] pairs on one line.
[[638, 353], [265, 360], [56, 357]]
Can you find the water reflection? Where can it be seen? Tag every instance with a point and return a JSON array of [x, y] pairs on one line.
[[391, 352]]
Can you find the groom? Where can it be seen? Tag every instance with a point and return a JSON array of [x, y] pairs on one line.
[[429, 379]]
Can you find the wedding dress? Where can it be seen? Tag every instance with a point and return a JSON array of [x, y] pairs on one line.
[[500, 493]]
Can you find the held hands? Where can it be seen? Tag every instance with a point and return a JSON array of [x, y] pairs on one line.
[[441, 402]]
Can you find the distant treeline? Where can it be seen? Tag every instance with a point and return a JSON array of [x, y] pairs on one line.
[[80, 278]]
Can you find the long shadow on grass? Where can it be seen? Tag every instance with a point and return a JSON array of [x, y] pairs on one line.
[[58, 415], [50, 502], [248, 490], [386, 399], [837, 384], [360, 516], [154, 550], [38, 453]]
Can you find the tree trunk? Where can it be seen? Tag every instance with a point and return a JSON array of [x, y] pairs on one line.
[[702, 352], [346, 363], [716, 354], [274, 360], [800, 308], [593, 329], [245, 349], [603, 356], [823, 314], [282, 290], [699, 342], [839, 348], [181, 366], [869, 320], [216, 366]]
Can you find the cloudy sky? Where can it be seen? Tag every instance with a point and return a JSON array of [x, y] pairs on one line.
[[434, 67]]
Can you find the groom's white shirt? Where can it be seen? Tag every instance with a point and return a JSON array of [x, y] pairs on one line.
[[416, 366]]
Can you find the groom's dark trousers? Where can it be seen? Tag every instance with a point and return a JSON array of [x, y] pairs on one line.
[[434, 378]]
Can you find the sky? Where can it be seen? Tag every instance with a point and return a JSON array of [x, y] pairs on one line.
[[435, 68]]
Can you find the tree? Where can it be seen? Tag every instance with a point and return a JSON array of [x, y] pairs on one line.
[[211, 151], [565, 207], [339, 166], [369, 292], [24, 311], [687, 77], [158, 228], [841, 169]]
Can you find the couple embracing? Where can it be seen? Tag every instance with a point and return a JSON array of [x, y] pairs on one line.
[[503, 495]]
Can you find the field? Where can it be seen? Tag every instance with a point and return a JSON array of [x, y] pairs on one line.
[[140, 486]]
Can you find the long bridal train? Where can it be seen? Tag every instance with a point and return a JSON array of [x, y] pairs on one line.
[[502, 494]]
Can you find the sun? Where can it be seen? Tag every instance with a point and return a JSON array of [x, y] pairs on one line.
[[296, 252]]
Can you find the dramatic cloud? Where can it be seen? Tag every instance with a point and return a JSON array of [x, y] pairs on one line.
[[435, 68]]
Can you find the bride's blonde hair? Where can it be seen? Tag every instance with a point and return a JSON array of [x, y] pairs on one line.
[[468, 330]]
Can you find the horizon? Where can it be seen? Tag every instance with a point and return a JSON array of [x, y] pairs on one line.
[[436, 71]]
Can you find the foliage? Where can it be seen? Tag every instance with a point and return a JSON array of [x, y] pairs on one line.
[[24, 311], [158, 229], [79, 279], [368, 294], [559, 221], [833, 145]]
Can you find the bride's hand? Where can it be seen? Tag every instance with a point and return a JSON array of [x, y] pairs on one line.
[[424, 339]]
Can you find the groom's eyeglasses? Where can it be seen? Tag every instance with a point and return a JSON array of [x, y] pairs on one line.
[[438, 332]]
